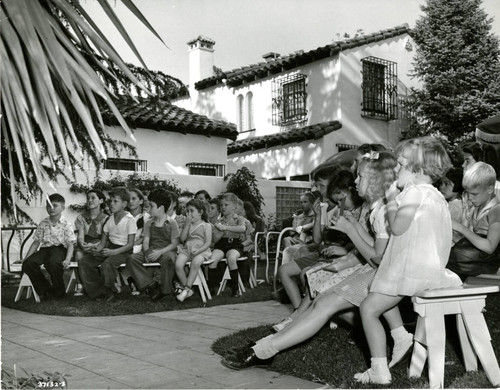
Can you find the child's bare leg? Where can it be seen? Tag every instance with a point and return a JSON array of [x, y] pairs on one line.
[[403, 340], [286, 273], [180, 263], [193, 270], [217, 255]]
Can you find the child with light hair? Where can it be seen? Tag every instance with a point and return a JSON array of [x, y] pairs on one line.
[[478, 251]]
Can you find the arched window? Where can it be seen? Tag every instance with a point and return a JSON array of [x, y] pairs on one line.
[[239, 113], [249, 111]]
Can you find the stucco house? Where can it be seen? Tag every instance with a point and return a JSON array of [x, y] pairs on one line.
[[294, 111]]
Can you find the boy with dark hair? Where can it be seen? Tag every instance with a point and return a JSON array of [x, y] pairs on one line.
[[53, 247], [116, 244], [161, 237]]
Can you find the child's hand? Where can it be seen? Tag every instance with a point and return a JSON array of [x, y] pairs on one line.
[[330, 251], [106, 252], [66, 263], [393, 191], [457, 226], [219, 226], [341, 224], [153, 256], [316, 207]]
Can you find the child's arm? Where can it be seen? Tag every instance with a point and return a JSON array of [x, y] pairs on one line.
[[102, 243], [33, 248], [106, 252], [145, 244], [239, 228], [488, 244], [70, 248], [208, 240], [185, 229], [317, 231], [401, 217]]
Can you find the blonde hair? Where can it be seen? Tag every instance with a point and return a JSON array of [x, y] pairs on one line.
[[381, 174], [426, 155], [478, 175], [230, 197]]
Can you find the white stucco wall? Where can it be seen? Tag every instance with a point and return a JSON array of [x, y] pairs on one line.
[[169, 152]]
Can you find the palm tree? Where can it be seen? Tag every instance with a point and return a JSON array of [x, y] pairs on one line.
[[57, 69]]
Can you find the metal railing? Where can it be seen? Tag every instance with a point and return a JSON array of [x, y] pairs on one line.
[[6, 252]]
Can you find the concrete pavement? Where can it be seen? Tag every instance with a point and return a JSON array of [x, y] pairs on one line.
[[147, 351]]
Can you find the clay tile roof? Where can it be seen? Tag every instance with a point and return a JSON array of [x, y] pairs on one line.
[[264, 69], [161, 115], [202, 39], [288, 137]]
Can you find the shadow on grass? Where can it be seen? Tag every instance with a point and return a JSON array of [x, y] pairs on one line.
[[331, 357]]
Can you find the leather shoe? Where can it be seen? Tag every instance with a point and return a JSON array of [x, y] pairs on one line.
[[245, 359], [234, 351]]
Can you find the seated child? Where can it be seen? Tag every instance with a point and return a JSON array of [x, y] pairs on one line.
[[227, 242], [136, 208], [197, 238], [160, 240], [302, 223], [478, 252], [202, 195], [213, 211], [53, 247], [451, 187], [89, 224], [116, 244]]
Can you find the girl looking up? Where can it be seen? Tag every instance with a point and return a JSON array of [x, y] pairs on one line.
[[197, 236], [418, 250]]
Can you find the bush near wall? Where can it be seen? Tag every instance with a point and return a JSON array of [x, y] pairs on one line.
[[144, 182]]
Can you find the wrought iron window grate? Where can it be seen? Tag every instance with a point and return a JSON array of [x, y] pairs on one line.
[[126, 164], [380, 89], [289, 99], [206, 169]]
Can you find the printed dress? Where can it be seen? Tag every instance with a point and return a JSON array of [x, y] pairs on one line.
[[416, 259], [195, 240]]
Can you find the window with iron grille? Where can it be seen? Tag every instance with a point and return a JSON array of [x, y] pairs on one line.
[[289, 100], [204, 169], [288, 201], [344, 147], [380, 89], [125, 164]]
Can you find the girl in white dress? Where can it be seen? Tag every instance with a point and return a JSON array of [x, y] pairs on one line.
[[418, 250]]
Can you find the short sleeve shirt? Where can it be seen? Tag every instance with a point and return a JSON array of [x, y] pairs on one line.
[[234, 220], [161, 236], [118, 233], [378, 220], [54, 234]]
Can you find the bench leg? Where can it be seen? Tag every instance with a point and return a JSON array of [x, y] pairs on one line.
[[481, 339], [204, 285], [419, 355], [470, 358], [224, 280], [435, 334]]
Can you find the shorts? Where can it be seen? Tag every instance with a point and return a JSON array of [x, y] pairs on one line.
[[226, 244]]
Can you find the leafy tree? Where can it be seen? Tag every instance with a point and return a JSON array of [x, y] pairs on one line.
[[244, 184], [458, 61], [56, 70]]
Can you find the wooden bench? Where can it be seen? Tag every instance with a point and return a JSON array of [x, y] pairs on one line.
[[466, 303]]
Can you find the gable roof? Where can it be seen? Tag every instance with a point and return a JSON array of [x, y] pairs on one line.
[[288, 137], [161, 115], [264, 69]]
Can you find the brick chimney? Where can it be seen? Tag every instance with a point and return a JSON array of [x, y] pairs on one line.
[[201, 59]]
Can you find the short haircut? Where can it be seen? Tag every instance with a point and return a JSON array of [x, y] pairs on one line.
[[474, 149], [200, 206], [98, 193], [120, 192], [186, 194], [214, 201], [325, 173], [367, 148], [161, 197], [58, 198], [479, 174], [427, 155], [203, 192], [343, 180], [456, 176], [230, 197]]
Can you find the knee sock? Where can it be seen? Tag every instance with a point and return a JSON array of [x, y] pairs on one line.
[[264, 349], [234, 279], [213, 277]]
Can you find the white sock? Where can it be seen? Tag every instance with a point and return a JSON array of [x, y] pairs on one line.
[[264, 348], [379, 364], [399, 334]]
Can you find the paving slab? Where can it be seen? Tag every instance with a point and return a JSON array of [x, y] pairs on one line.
[[164, 350]]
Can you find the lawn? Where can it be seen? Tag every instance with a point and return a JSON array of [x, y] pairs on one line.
[[332, 357], [125, 303]]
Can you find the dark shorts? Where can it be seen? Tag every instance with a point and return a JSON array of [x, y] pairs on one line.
[[226, 244]]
